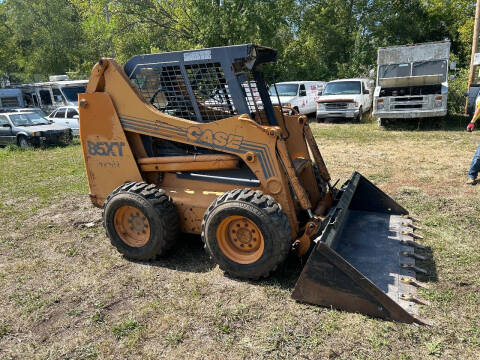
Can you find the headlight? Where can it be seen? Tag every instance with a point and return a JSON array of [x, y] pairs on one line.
[[352, 105], [438, 101], [37, 133], [320, 106]]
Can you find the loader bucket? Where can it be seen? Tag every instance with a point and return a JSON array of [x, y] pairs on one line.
[[364, 260]]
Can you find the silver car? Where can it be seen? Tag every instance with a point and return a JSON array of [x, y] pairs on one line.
[[30, 129]]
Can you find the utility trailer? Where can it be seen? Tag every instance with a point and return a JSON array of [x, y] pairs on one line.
[[412, 82]]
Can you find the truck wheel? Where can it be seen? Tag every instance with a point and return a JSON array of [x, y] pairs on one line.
[[23, 142], [246, 233], [360, 115], [140, 220]]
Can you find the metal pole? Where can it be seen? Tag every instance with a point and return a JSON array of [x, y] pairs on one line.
[[474, 49]]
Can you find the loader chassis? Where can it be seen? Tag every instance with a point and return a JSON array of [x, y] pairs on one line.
[[189, 141]]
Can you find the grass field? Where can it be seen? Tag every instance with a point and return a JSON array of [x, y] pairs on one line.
[[67, 294]]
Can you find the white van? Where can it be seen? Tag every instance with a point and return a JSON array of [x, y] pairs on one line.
[[345, 98], [299, 95]]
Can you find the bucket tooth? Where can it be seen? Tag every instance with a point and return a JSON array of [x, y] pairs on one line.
[[412, 298], [414, 268], [410, 217], [413, 255], [412, 234], [412, 225], [413, 282], [412, 244]]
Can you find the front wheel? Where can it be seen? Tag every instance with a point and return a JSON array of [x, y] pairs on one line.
[[246, 233], [360, 115], [23, 142]]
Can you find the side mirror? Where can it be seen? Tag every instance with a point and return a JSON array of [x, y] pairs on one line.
[[451, 77], [320, 93], [372, 73], [453, 65], [302, 93]]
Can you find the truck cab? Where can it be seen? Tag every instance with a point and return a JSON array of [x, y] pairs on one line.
[[412, 81], [299, 95], [345, 98], [53, 94]]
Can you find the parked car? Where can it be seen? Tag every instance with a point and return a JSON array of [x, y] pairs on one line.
[[299, 95], [67, 116], [345, 98], [27, 128]]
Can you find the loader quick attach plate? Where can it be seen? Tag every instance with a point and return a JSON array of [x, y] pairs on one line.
[[364, 259]]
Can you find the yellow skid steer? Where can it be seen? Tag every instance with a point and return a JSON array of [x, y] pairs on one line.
[[189, 142]]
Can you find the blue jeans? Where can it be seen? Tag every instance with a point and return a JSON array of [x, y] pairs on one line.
[[475, 166]]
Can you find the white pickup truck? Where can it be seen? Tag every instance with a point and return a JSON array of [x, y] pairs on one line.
[[345, 98], [299, 95]]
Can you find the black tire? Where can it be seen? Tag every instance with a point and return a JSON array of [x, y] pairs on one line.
[[156, 206], [266, 214], [23, 142], [360, 115]]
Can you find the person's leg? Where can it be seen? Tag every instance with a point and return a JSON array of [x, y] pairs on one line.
[[475, 166]]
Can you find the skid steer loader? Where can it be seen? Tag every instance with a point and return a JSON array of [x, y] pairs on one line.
[[189, 142]]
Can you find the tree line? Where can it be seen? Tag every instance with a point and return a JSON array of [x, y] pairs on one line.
[[315, 39]]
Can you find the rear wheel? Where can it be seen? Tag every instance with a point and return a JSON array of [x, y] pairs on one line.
[[140, 220], [246, 233]]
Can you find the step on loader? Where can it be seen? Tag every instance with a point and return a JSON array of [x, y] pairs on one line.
[[189, 142]]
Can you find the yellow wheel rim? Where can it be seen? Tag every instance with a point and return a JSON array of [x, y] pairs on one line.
[[132, 226], [240, 239]]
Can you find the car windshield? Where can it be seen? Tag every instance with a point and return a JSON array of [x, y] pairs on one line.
[[71, 92], [343, 88], [284, 90], [28, 119]]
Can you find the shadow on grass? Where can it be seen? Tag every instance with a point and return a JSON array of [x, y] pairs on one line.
[[427, 264], [452, 122], [188, 254]]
